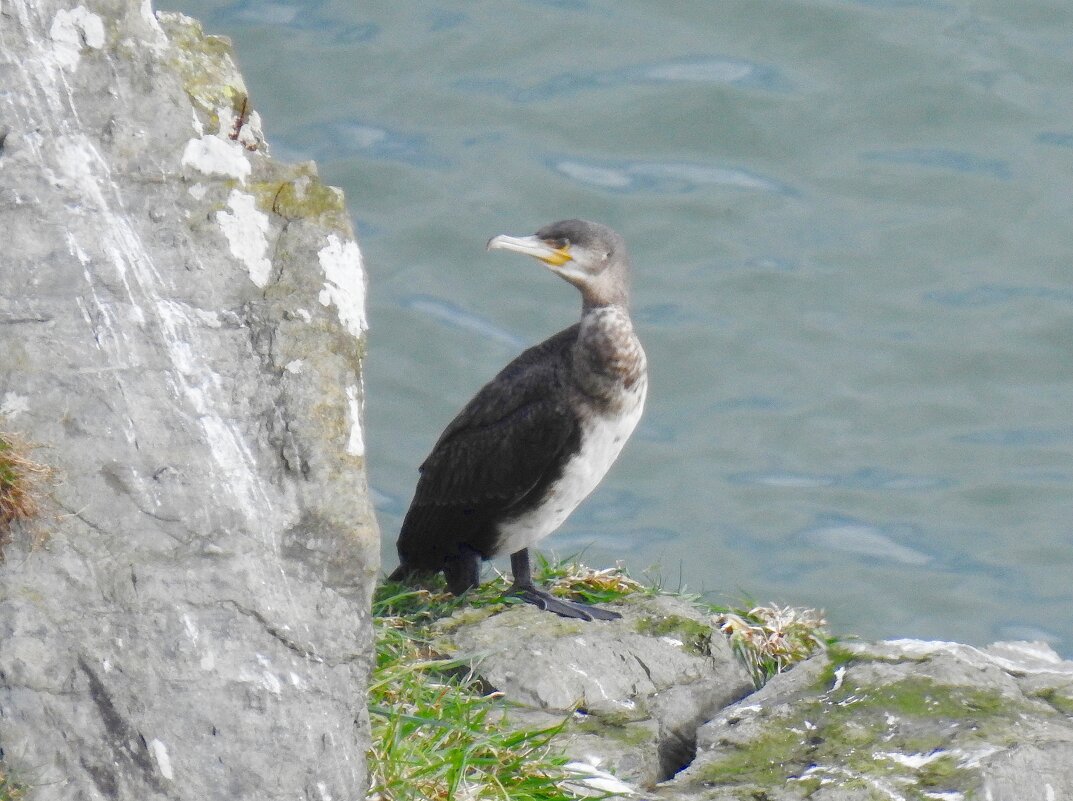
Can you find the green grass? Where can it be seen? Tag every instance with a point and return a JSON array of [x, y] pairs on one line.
[[436, 735], [9, 789]]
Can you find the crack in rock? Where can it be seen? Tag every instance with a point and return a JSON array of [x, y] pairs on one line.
[[303, 650], [128, 745]]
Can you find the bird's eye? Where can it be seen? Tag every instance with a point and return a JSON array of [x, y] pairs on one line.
[[558, 244]]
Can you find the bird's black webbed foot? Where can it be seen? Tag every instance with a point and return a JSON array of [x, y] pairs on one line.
[[525, 589], [547, 601]]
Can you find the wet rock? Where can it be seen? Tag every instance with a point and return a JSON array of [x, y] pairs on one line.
[[181, 329]]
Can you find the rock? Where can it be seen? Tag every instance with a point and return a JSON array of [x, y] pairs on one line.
[[895, 720], [659, 701], [640, 686], [182, 324]]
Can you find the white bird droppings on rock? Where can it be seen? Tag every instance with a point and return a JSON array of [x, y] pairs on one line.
[[211, 155], [356, 444], [345, 285], [591, 777], [163, 761], [246, 229], [71, 31], [914, 761]]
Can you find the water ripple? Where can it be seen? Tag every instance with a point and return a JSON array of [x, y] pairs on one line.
[[458, 317], [933, 5], [940, 158], [1018, 437], [700, 70], [662, 314], [386, 502], [1055, 138], [995, 294], [610, 506], [734, 72], [563, 5], [664, 177], [298, 17], [758, 403], [863, 539], [442, 20], [869, 478], [574, 542], [338, 139]]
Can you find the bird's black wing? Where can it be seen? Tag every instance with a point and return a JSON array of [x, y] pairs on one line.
[[508, 439]]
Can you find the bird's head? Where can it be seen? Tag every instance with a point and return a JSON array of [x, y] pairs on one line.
[[589, 255]]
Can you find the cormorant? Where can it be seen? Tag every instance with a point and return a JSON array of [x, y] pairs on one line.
[[539, 437]]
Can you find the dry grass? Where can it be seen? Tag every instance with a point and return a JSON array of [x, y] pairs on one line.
[[10, 790], [574, 580], [771, 639], [21, 483]]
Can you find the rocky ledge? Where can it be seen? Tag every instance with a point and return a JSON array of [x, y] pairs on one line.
[[659, 701]]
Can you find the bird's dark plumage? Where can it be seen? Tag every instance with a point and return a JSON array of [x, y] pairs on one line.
[[538, 437]]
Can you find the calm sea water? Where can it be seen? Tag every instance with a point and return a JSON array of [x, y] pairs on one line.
[[852, 224]]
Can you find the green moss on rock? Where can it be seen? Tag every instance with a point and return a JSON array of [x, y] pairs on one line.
[[922, 697], [943, 772], [862, 731], [626, 732], [301, 195], [767, 761], [1059, 701], [206, 66], [694, 635], [837, 657]]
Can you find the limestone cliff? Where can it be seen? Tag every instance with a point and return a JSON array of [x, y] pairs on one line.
[[181, 330]]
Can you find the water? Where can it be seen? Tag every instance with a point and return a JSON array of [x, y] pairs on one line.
[[851, 223]]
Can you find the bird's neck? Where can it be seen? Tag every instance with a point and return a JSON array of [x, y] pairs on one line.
[[608, 357], [611, 287]]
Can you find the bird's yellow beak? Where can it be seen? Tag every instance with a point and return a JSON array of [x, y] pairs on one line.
[[532, 246]]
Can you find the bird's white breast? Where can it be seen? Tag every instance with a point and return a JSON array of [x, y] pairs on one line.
[[602, 439]]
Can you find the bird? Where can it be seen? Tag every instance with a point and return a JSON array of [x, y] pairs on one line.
[[536, 440]]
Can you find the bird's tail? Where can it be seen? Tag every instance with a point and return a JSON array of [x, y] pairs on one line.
[[403, 573]]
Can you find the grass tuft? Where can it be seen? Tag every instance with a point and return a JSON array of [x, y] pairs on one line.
[[20, 482], [9, 789], [437, 736], [573, 580], [771, 639]]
